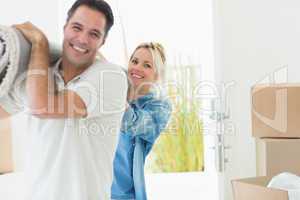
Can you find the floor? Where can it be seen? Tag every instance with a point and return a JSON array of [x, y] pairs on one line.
[[178, 186], [11, 187], [175, 186]]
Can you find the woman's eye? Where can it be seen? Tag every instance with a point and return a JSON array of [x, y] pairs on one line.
[[134, 61], [147, 66]]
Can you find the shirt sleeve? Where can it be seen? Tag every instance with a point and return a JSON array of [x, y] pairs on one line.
[[148, 122], [103, 91]]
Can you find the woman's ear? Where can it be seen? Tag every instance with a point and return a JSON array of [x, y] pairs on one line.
[[156, 76]]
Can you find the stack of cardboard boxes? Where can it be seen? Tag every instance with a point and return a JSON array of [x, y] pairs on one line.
[[276, 128], [6, 161]]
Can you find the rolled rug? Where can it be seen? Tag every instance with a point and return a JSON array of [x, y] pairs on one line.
[[14, 56]]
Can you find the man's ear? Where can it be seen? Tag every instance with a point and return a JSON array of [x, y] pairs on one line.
[[65, 26], [102, 42]]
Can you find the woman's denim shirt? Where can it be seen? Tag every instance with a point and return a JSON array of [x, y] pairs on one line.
[[143, 121]]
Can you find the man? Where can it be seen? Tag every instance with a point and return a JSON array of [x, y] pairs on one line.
[[75, 109]]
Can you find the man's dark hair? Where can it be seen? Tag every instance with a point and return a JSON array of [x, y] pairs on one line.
[[98, 5]]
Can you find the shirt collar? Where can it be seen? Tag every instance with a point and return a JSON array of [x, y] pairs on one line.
[[58, 71], [155, 93], [56, 65]]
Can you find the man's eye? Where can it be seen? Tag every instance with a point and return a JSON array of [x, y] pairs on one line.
[[95, 35], [76, 28]]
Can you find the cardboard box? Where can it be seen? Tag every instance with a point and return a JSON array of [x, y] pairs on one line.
[[276, 110], [274, 156], [256, 189], [6, 158]]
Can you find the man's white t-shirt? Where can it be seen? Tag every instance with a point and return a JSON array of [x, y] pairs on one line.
[[72, 158]]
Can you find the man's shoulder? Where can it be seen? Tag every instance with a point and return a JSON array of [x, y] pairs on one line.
[[105, 72], [105, 65]]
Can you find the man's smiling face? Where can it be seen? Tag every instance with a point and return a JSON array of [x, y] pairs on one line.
[[83, 35]]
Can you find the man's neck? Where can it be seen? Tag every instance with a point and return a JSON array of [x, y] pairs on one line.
[[69, 71]]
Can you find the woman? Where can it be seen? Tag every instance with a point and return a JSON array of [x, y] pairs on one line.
[[146, 116]]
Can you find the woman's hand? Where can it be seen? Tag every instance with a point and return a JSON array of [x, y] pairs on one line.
[[132, 94]]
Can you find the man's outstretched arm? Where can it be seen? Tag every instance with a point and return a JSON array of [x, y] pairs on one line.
[[42, 102]]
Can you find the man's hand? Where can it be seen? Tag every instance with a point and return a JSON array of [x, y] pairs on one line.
[[32, 33], [39, 89], [37, 74]]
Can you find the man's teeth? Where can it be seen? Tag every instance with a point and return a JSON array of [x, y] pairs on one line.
[[79, 49], [136, 76]]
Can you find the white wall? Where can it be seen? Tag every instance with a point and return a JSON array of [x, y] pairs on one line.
[[253, 39], [44, 14]]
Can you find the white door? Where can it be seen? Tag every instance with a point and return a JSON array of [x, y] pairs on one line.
[[218, 129], [253, 41]]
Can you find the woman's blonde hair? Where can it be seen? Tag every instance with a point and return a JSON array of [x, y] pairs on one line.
[[158, 55]]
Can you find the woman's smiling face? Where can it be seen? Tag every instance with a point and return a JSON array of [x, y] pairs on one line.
[[142, 72]]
